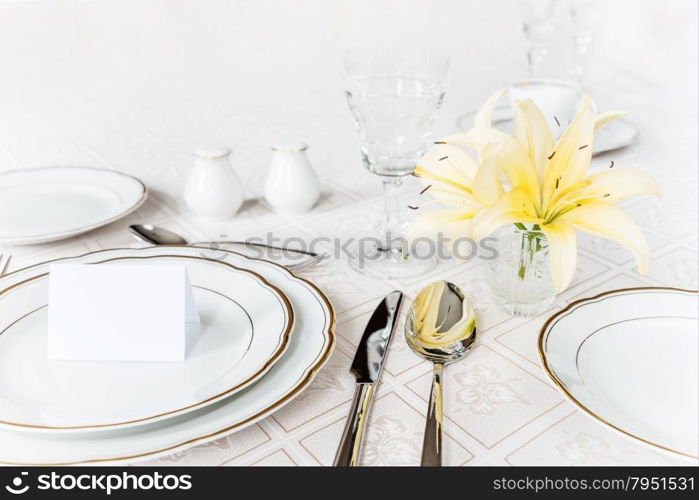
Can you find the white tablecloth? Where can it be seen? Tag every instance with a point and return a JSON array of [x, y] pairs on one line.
[[136, 86]]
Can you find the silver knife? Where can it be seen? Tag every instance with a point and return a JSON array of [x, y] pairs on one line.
[[366, 367]]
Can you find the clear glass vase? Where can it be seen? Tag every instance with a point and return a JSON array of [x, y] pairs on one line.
[[520, 276]]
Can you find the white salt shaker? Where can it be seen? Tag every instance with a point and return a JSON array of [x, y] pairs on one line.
[[291, 186], [213, 189]]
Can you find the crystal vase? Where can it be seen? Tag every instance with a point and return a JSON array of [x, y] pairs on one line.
[[519, 275]]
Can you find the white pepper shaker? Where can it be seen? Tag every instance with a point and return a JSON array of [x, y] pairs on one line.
[[291, 186], [213, 189]]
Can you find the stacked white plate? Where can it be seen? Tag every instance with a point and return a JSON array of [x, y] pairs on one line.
[[265, 334]]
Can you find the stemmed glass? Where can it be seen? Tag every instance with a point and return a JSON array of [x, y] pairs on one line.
[[394, 96], [583, 17], [538, 26]]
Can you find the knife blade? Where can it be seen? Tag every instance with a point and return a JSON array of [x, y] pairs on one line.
[[366, 368]]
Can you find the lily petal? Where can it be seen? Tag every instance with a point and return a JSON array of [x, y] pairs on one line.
[[484, 116], [449, 161], [446, 172], [486, 186], [603, 118], [476, 138], [608, 221], [453, 223], [460, 138], [514, 161], [514, 206], [532, 131], [482, 133], [616, 185], [563, 253], [572, 153]]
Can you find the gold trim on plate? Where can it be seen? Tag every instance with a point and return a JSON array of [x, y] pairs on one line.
[[543, 335], [298, 388], [266, 364]]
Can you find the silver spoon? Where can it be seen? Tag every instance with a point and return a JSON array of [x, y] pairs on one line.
[[441, 328], [160, 236]]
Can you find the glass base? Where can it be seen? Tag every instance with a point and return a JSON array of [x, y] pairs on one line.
[[391, 264], [525, 309]]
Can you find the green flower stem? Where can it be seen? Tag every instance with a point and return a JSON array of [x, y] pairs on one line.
[[530, 245]]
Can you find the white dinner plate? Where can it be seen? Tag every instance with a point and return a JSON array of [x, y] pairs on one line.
[[629, 359], [614, 135], [46, 204], [311, 344], [246, 325]]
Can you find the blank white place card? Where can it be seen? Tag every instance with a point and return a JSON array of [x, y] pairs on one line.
[[119, 312]]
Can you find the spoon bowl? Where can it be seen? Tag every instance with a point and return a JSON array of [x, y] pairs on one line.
[[441, 327]]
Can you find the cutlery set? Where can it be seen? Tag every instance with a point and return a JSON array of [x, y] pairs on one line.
[[441, 328]]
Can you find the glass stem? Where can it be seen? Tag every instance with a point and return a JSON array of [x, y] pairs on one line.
[[393, 224]]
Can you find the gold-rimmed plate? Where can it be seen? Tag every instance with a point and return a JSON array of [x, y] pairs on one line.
[[311, 344], [246, 324], [628, 358]]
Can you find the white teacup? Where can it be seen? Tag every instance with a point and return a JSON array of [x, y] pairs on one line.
[[557, 100]]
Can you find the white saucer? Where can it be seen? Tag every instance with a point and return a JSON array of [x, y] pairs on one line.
[[614, 135]]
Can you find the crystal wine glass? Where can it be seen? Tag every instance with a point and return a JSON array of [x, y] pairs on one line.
[[394, 96], [538, 26]]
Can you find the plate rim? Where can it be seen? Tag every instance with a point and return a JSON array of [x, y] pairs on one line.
[[60, 235], [545, 329], [311, 371], [267, 363]]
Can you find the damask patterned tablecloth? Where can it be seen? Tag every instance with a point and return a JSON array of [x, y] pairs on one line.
[[500, 406]]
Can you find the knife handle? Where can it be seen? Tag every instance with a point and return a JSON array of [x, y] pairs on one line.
[[351, 442]]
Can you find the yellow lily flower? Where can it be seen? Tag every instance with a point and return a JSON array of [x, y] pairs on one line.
[[447, 174], [531, 178]]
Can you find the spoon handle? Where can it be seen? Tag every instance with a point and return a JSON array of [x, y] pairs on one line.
[[432, 441], [262, 245]]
